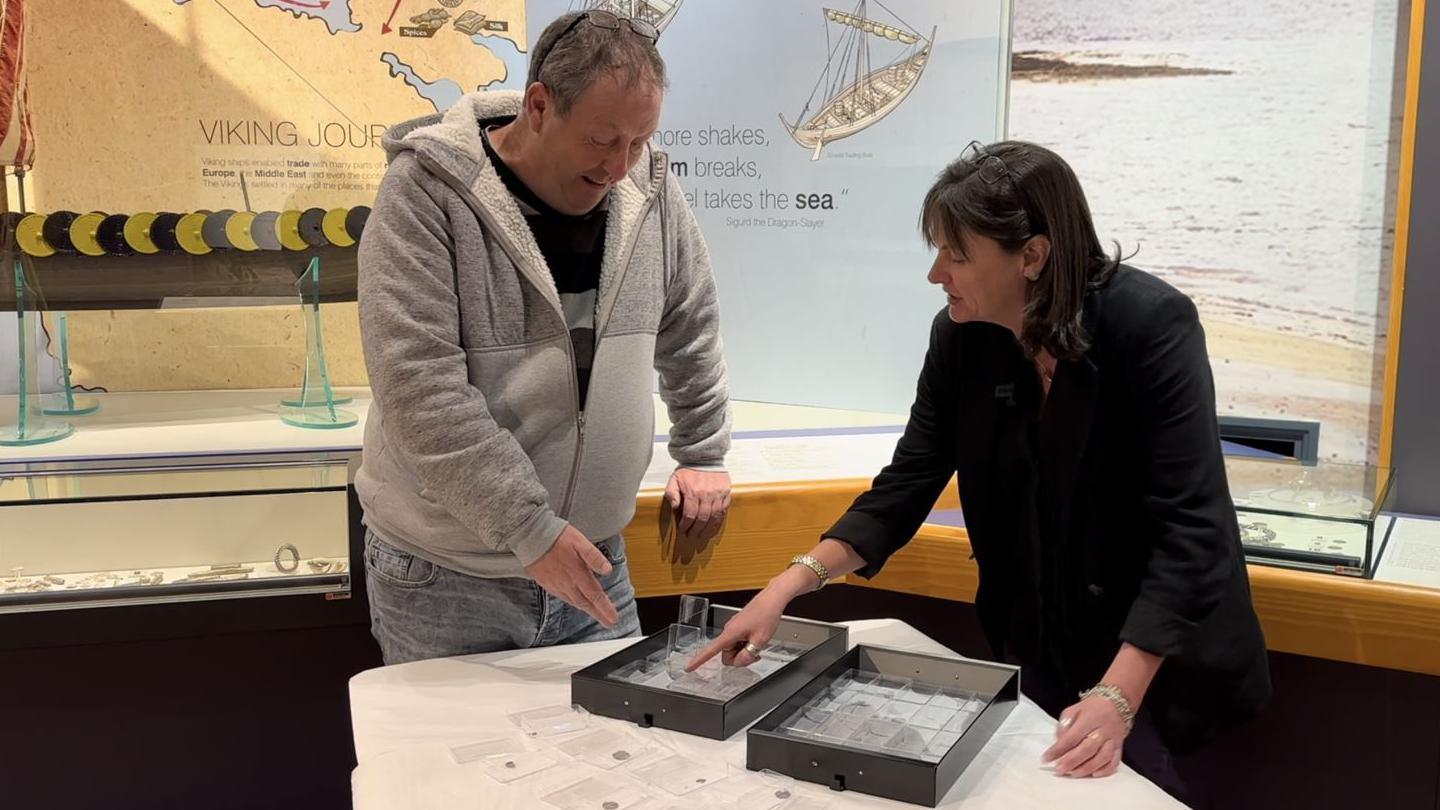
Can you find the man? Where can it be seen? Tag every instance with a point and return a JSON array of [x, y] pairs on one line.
[[528, 264]]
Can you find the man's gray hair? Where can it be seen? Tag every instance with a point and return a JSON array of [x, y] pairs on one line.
[[568, 67]]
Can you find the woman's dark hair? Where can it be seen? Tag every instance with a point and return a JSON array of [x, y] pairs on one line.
[[1012, 191]]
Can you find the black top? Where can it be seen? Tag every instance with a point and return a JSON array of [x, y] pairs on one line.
[[574, 249], [1102, 516]]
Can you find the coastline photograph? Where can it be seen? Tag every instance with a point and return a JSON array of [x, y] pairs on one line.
[[1197, 130]]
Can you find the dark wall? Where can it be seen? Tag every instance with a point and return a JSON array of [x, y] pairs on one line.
[[239, 720]]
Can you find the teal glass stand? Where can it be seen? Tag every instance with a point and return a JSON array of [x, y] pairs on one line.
[[315, 408], [65, 403], [31, 426]]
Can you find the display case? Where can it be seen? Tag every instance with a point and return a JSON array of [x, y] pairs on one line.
[[889, 723], [129, 531], [646, 683], [1325, 516]]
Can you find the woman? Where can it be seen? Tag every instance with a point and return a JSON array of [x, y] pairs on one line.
[[1072, 397]]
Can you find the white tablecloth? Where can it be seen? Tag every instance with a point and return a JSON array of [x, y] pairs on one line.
[[407, 717]]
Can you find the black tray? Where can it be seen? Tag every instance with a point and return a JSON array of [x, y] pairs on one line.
[[716, 719], [875, 771]]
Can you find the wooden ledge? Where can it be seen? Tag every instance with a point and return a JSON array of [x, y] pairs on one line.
[[1340, 618], [1325, 616]]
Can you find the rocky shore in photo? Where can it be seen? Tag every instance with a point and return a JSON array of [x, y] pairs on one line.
[[1043, 66]]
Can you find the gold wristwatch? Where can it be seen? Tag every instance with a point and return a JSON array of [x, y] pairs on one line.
[[814, 565]]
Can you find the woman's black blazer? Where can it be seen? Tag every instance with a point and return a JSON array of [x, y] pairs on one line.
[[1135, 536]]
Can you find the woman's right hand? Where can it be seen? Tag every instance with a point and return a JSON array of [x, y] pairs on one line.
[[754, 625], [757, 622]]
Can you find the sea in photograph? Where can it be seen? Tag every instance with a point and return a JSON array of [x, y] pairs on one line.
[[1245, 152]]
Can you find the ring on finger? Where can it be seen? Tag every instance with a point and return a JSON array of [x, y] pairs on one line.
[[752, 649], [1095, 735]]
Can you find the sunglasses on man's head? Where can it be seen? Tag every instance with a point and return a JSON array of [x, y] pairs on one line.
[[606, 20]]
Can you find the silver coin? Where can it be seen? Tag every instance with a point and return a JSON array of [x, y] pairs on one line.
[[782, 794], [510, 764], [611, 805], [621, 756], [700, 781]]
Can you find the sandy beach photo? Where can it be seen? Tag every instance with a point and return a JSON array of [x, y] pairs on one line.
[[1243, 151]]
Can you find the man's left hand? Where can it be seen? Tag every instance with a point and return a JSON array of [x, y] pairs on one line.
[[700, 501]]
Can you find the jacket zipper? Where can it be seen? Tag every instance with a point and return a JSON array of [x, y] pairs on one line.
[[595, 353], [469, 196]]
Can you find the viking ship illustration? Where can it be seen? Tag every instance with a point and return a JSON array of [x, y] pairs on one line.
[[658, 13], [858, 95]]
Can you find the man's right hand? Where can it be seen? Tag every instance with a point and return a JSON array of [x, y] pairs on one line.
[[568, 571]]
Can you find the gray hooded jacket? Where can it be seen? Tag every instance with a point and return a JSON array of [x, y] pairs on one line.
[[476, 452]]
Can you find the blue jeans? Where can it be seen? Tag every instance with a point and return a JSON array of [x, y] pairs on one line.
[[422, 610]]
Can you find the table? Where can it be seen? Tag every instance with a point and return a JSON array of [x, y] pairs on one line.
[[406, 717]]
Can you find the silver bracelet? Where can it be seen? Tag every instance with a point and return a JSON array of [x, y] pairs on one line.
[[1112, 693], [294, 563]]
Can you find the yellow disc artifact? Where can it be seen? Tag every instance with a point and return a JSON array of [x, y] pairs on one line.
[[237, 230], [189, 233], [287, 228], [334, 227], [137, 232], [84, 232], [28, 235]]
